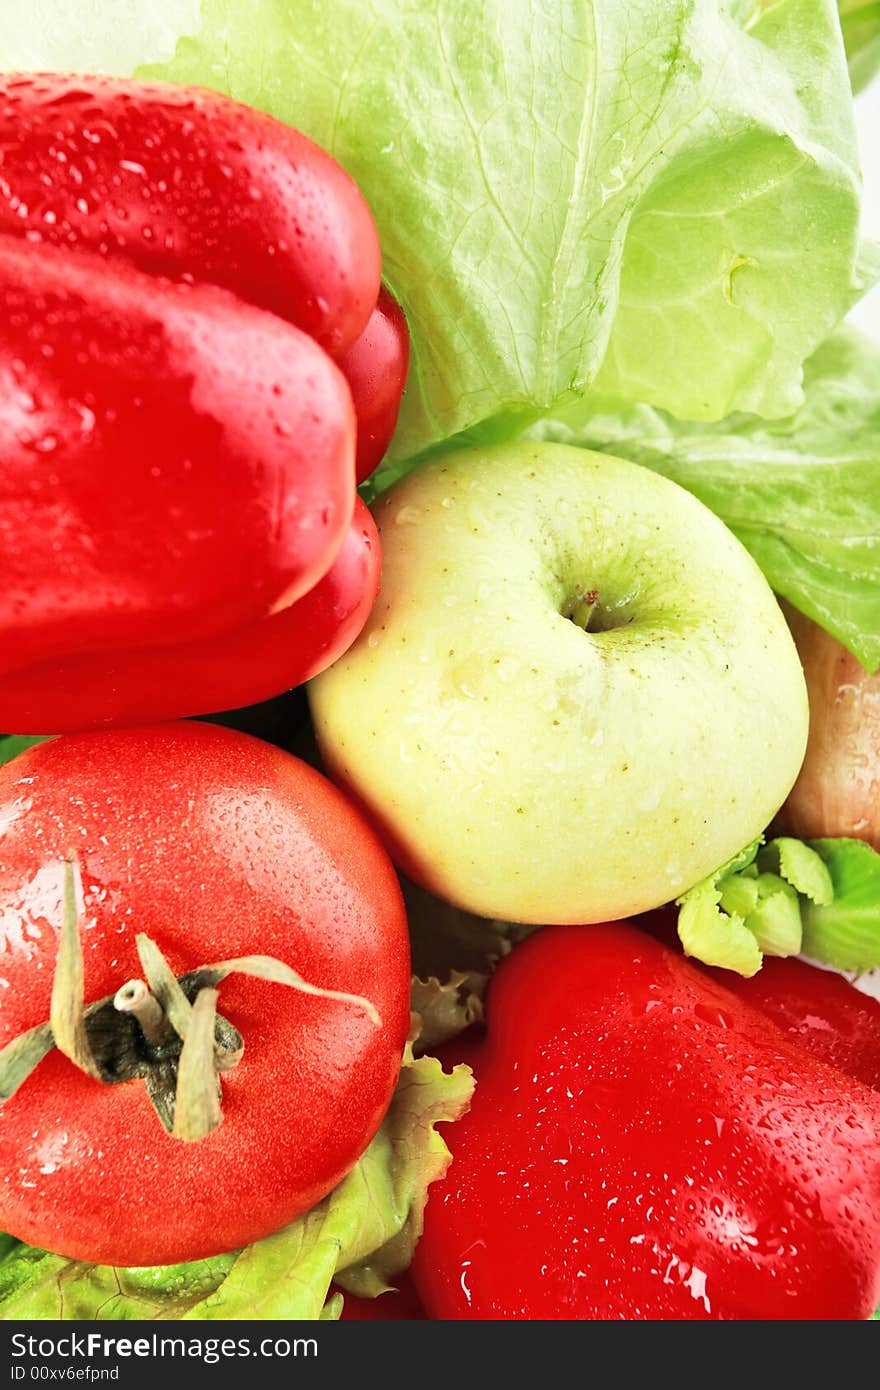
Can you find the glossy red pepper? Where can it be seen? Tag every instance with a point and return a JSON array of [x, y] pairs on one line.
[[375, 368], [156, 473], [176, 462], [643, 1144], [225, 671], [819, 1010], [182, 181]]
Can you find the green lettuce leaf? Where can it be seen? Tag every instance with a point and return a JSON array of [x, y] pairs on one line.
[[712, 924], [775, 919], [660, 198], [92, 35], [361, 1235], [821, 898], [714, 936], [801, 866], [845, 932], [446, 1008], [860, 22], [802, 493]]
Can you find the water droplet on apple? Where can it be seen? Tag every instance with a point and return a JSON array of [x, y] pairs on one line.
[[407, 516]]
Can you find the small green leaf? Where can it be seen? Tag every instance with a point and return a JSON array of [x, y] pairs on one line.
[[445, 1009], [800, 866], [714, 937], [739, 895], [332, 1310], [846, 932], [860, 22], [775, 920], [824, 900]]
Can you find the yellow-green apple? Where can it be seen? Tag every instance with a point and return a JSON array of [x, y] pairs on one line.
[[576, 695]]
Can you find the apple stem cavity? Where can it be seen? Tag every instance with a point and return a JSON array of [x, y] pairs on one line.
[[584, 607]]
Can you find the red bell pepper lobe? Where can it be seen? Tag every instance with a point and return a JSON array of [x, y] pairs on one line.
[[225, 671], [819, 1010], [174, 462], [375, 368], [181, 181], [643, 1145]]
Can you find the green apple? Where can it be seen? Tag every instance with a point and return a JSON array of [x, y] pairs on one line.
[[576, 695]]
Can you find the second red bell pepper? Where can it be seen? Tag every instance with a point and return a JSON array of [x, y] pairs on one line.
[[819, 1010], [642, 1144]]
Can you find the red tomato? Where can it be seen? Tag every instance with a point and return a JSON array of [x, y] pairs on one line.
[[216, 845], [187, 182], [212, 673], [642, 1144], [375, 368]]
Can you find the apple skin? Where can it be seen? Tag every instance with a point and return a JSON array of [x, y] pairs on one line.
[[524, 768]]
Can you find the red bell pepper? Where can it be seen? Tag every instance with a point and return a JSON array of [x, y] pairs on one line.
[[176, 445], [375, 368], [225, 671], [643, 1144], [181, 181], [819, 1010]]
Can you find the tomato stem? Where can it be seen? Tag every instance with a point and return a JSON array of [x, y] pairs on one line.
[[197, 1099], [135, 998], [67, 1010], [175, 1042]]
